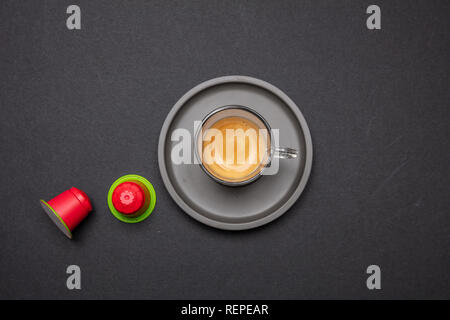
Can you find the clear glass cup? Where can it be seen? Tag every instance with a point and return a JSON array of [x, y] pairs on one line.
[[267, 150]]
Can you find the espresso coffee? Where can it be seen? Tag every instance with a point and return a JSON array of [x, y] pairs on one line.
[[235, 149]]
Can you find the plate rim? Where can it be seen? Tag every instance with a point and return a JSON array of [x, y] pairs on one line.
[[218, 81]]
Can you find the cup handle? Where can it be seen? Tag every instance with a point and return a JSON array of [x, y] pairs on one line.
[[285, 153]]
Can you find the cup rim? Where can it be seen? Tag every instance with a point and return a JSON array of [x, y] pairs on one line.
[[200, 162]]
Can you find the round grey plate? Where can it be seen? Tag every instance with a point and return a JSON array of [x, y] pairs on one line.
[[236, 208]]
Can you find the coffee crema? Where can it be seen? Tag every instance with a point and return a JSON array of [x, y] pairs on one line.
[[235, 149]]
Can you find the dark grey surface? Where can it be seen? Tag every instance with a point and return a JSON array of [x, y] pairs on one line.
[[84, 107]]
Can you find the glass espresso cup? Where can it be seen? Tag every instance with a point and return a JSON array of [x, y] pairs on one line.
[[235, 144]]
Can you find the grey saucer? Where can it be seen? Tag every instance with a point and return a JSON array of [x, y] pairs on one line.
[[252, 205]]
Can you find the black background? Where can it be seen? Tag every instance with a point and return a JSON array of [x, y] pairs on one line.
[[81, 108]]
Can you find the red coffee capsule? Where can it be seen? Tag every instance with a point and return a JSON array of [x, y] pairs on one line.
[[131, 198], [68, 209], [128, 198]]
